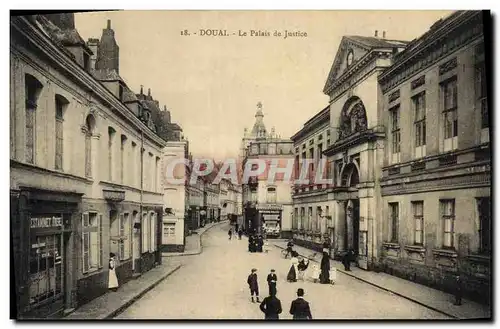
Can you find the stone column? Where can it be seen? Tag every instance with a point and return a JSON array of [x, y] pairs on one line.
[[340, 225], [349, 225]]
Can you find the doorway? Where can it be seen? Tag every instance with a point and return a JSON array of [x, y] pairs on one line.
[[136, 241], [351, 238]]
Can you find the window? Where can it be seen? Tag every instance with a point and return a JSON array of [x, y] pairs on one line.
[[395, 131], [152, 232], [122, 158], [419, 109], [133, 162], [327, 215], [124, 233], [302, 218], [45, 268], [152, 179], [145, 229], [91, 241], [309, 218], [111, 135], [169, 230], [61, 103], [448, 217], [157, 175], [481, 90], [271, 195], [450, 121], [484, 211], [318, 219], [418, 217], [394, 222], [89, 126], [296, 218], [32, 90]]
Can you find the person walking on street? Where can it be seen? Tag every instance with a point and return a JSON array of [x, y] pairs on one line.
[[300, 307], [250, 243], [271, 306], [289, 248], [346, 260], [272, 280], [230, 233], [325, 269], [240, 233], [253, 284]]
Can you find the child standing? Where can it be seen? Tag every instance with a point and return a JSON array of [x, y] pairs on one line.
[[271, 281], [253, 285]]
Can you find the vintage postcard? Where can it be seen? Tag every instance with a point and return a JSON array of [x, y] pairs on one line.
[[256, 165]]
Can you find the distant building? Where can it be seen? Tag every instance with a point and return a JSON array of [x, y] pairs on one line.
[[267, 206]]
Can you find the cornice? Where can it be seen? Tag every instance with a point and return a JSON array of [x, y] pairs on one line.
[[355, 139], [306, 132], [434, 48], [45, 45]]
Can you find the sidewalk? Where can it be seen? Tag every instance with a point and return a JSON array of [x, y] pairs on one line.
[[110, 304], [193, 244], [436, 300]]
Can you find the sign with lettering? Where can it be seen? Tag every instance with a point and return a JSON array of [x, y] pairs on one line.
[[46, 222], [272, 217]]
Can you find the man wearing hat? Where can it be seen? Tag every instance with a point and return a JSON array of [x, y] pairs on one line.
[[271, 281], [300, 307], [253, 284]]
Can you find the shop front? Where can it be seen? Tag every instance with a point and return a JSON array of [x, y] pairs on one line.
[[42, 232], [270, 219]]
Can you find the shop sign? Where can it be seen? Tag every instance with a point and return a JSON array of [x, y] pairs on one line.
[[46, 222], [271, 217]]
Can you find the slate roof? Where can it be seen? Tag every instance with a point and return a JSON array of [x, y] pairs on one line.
[[106, 75]]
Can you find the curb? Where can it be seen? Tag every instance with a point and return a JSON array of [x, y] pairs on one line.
[[388, 290], [200, 249], [139, 295]]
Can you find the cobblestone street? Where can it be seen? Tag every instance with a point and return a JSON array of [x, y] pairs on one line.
[[213, 286]]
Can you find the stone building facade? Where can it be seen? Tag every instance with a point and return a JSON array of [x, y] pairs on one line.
[[267, 204], [436, 190], [85, 163], [410, 156], [312, 209]]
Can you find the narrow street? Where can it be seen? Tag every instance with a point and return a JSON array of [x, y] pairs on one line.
[[213, 286]]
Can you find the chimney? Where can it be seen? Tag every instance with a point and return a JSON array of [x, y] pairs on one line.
[[376, 33], [109, 53], [142, 89], [93, 44], [65, 21], [149, 91], [383, 35]]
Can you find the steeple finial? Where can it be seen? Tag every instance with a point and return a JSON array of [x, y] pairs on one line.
[[259, 105]]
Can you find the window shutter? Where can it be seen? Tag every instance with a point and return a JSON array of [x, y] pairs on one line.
[[85, 247], [121, 244], [99, 240]]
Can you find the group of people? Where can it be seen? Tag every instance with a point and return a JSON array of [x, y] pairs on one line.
[[231, 233], [256, 243], [300, 265], [271, 305]]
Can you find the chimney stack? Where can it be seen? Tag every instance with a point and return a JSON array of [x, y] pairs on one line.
[[142, 89], [383, 35], [149, 92], [376, 33], [109, 24]]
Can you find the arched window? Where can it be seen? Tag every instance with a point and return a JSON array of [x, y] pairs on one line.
[[89, 130], [33, 87], [61, 105], [111, 137], [350, 176]]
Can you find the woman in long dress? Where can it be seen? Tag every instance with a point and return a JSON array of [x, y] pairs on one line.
[[113, 279], [325, 269], [292, 273]]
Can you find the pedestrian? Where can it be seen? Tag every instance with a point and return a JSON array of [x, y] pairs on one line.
[[253, 284], [346, 261], [112, 279], [300, 307], [271, 306], [240, 233], [250, 243], [260, 243], [289, 248], [266, 246], [458, 290], [315, 272], [272, 280], [230, 233], [292, 273], [325, 269], [302, 267]]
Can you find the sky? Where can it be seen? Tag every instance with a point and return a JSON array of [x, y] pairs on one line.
[[212, 84]]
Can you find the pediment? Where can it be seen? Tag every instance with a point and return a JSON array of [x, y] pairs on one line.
[[340, 63]]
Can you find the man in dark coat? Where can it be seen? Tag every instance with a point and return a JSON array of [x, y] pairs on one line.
[[272, 279], [230, 233], [346, 261], [260, 243], [250, 243], [253, 284], [300, 308], [271, 306], [324, 277], [240, 233]]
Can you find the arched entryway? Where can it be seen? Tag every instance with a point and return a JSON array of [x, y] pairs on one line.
[[350, 178]]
